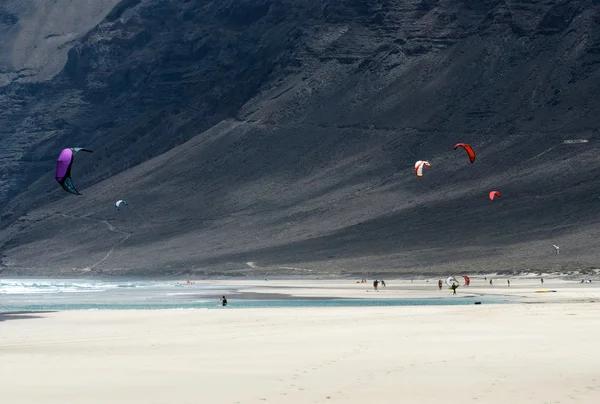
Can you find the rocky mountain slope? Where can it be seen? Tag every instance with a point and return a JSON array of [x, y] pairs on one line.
[[283, 134]]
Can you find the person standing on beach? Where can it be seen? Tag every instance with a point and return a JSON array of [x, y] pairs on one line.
[[440, 283], [375, 283], [454, 288], [383, 283], [542, 279], [491, 282]]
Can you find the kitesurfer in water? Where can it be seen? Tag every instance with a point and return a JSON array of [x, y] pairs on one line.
[[224, 301]]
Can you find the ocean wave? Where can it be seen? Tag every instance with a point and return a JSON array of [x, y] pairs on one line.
[[22, 287], [40, 286]]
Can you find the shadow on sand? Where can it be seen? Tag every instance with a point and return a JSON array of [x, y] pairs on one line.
[[21, 315]]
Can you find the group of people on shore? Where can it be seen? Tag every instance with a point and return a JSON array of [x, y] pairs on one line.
[[508, 281], [455, 286], [376, 283]]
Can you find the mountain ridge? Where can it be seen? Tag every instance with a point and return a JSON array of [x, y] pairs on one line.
[[301, 153]]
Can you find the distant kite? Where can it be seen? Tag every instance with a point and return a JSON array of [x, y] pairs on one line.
[[419, 167], [469, 150], [451, 280], [119, 202], [556, 248], [494, 194], [63, 168], [467, 280]]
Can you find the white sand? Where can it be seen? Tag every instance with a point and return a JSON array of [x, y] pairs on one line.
[[543, 353], [525, 288]]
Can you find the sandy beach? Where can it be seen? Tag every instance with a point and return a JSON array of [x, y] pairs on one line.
[[527, 289], [513, 353]]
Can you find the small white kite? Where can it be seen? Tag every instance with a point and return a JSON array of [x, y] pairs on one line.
[[419, 167]]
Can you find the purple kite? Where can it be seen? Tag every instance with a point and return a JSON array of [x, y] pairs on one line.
[[63, 168]]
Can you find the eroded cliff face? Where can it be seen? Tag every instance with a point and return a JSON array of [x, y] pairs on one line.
[[36, 35], [315, 113], [149, 77]]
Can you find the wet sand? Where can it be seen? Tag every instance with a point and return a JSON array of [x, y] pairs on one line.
[[526, 289]]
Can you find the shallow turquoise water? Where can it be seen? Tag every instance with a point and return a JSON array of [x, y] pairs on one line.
[[255, 304], [40, 295]]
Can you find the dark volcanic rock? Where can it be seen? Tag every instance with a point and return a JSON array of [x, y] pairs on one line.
[[298, 124]]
